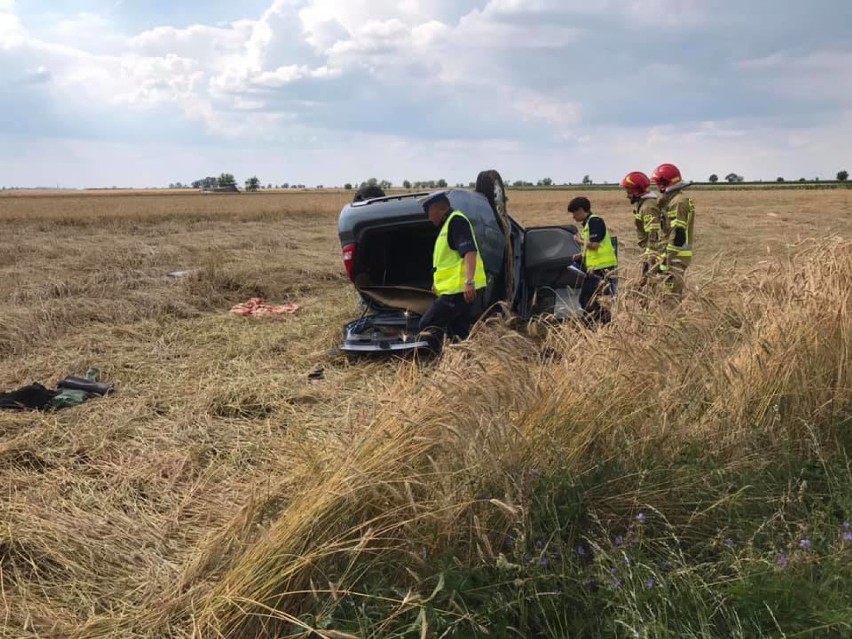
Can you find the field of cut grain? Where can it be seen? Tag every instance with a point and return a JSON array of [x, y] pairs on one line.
[[220, 492]]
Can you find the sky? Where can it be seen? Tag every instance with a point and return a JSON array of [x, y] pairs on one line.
[[144, 93]]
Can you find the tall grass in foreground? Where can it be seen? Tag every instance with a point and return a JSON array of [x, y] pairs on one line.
[[681, 473]]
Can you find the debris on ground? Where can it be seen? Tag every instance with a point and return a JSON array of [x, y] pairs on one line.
[[317, 375], [71, 391], [258, 307], [176, 275]]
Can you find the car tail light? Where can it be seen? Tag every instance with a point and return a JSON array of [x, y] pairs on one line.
[[349, 252]]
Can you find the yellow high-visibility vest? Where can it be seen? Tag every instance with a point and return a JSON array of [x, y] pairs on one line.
[[601, 257], [448, 265]]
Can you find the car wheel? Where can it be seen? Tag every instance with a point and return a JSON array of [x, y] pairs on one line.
[[490, 184]]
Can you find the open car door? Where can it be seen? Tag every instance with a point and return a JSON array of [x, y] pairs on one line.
[[552, 279]]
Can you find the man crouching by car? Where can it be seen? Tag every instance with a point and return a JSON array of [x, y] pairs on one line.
[[458, 274]]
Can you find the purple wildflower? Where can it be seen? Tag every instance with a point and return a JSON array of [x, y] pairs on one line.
[[535, 472], [613, 571], [641, 518], [783, 562], [847, 536], [650, 583], [539, 544], [805, 544], [665, 567], [543, 562], [424, 552], [618, 541], [616, 583], [581, 551], [591, 583], [730, 543], [626, 560], [847, 525], [508, 540]]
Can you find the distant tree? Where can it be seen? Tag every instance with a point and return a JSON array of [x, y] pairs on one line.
[[842, 176], [171, 185], [714, 178], [545, 182], [252, 184], [370, 182], [385, 184], [587, 180], [732, 178], [779, 179], [226, 179], [406, 184], [348, 186], [442, 183], [285, 185], [472, 185], [268, 186], [801, 179]]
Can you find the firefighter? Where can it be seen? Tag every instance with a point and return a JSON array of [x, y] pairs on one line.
[[647, 218], [598, 258], [679, 212], [458, 274]]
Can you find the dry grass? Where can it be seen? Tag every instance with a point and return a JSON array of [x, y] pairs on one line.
[[219, 480]]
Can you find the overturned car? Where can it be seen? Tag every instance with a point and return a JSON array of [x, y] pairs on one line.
[[387, 245]]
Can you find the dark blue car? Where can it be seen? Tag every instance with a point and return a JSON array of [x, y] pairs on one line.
[[387, 245]]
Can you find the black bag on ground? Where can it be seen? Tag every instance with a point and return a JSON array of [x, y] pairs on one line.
[[32, 397]]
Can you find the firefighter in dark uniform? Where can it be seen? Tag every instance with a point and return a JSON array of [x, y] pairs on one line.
[[458, 274], [598, 259]]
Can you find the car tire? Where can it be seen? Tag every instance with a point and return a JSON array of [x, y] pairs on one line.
[[490, 184]]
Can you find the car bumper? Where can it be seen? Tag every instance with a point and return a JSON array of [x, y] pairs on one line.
[[384, 347]]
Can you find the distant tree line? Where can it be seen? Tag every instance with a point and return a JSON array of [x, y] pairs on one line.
[[227, 180]]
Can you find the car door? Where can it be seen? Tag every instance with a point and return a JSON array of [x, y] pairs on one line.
[[549, 269]]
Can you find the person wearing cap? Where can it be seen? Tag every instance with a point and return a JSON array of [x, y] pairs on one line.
[[458, 273], [598, 259]]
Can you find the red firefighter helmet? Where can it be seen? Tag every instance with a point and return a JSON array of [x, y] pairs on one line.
[[636, 183], [665, 175]]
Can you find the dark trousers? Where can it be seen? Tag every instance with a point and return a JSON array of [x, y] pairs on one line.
[[448, 316], [596, 284]]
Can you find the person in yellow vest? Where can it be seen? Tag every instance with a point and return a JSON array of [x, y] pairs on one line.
[[647, 219], [679, 210], [598, 259], [458, 273]]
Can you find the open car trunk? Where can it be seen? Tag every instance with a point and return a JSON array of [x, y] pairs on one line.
[[393, 274], [393, 269]]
